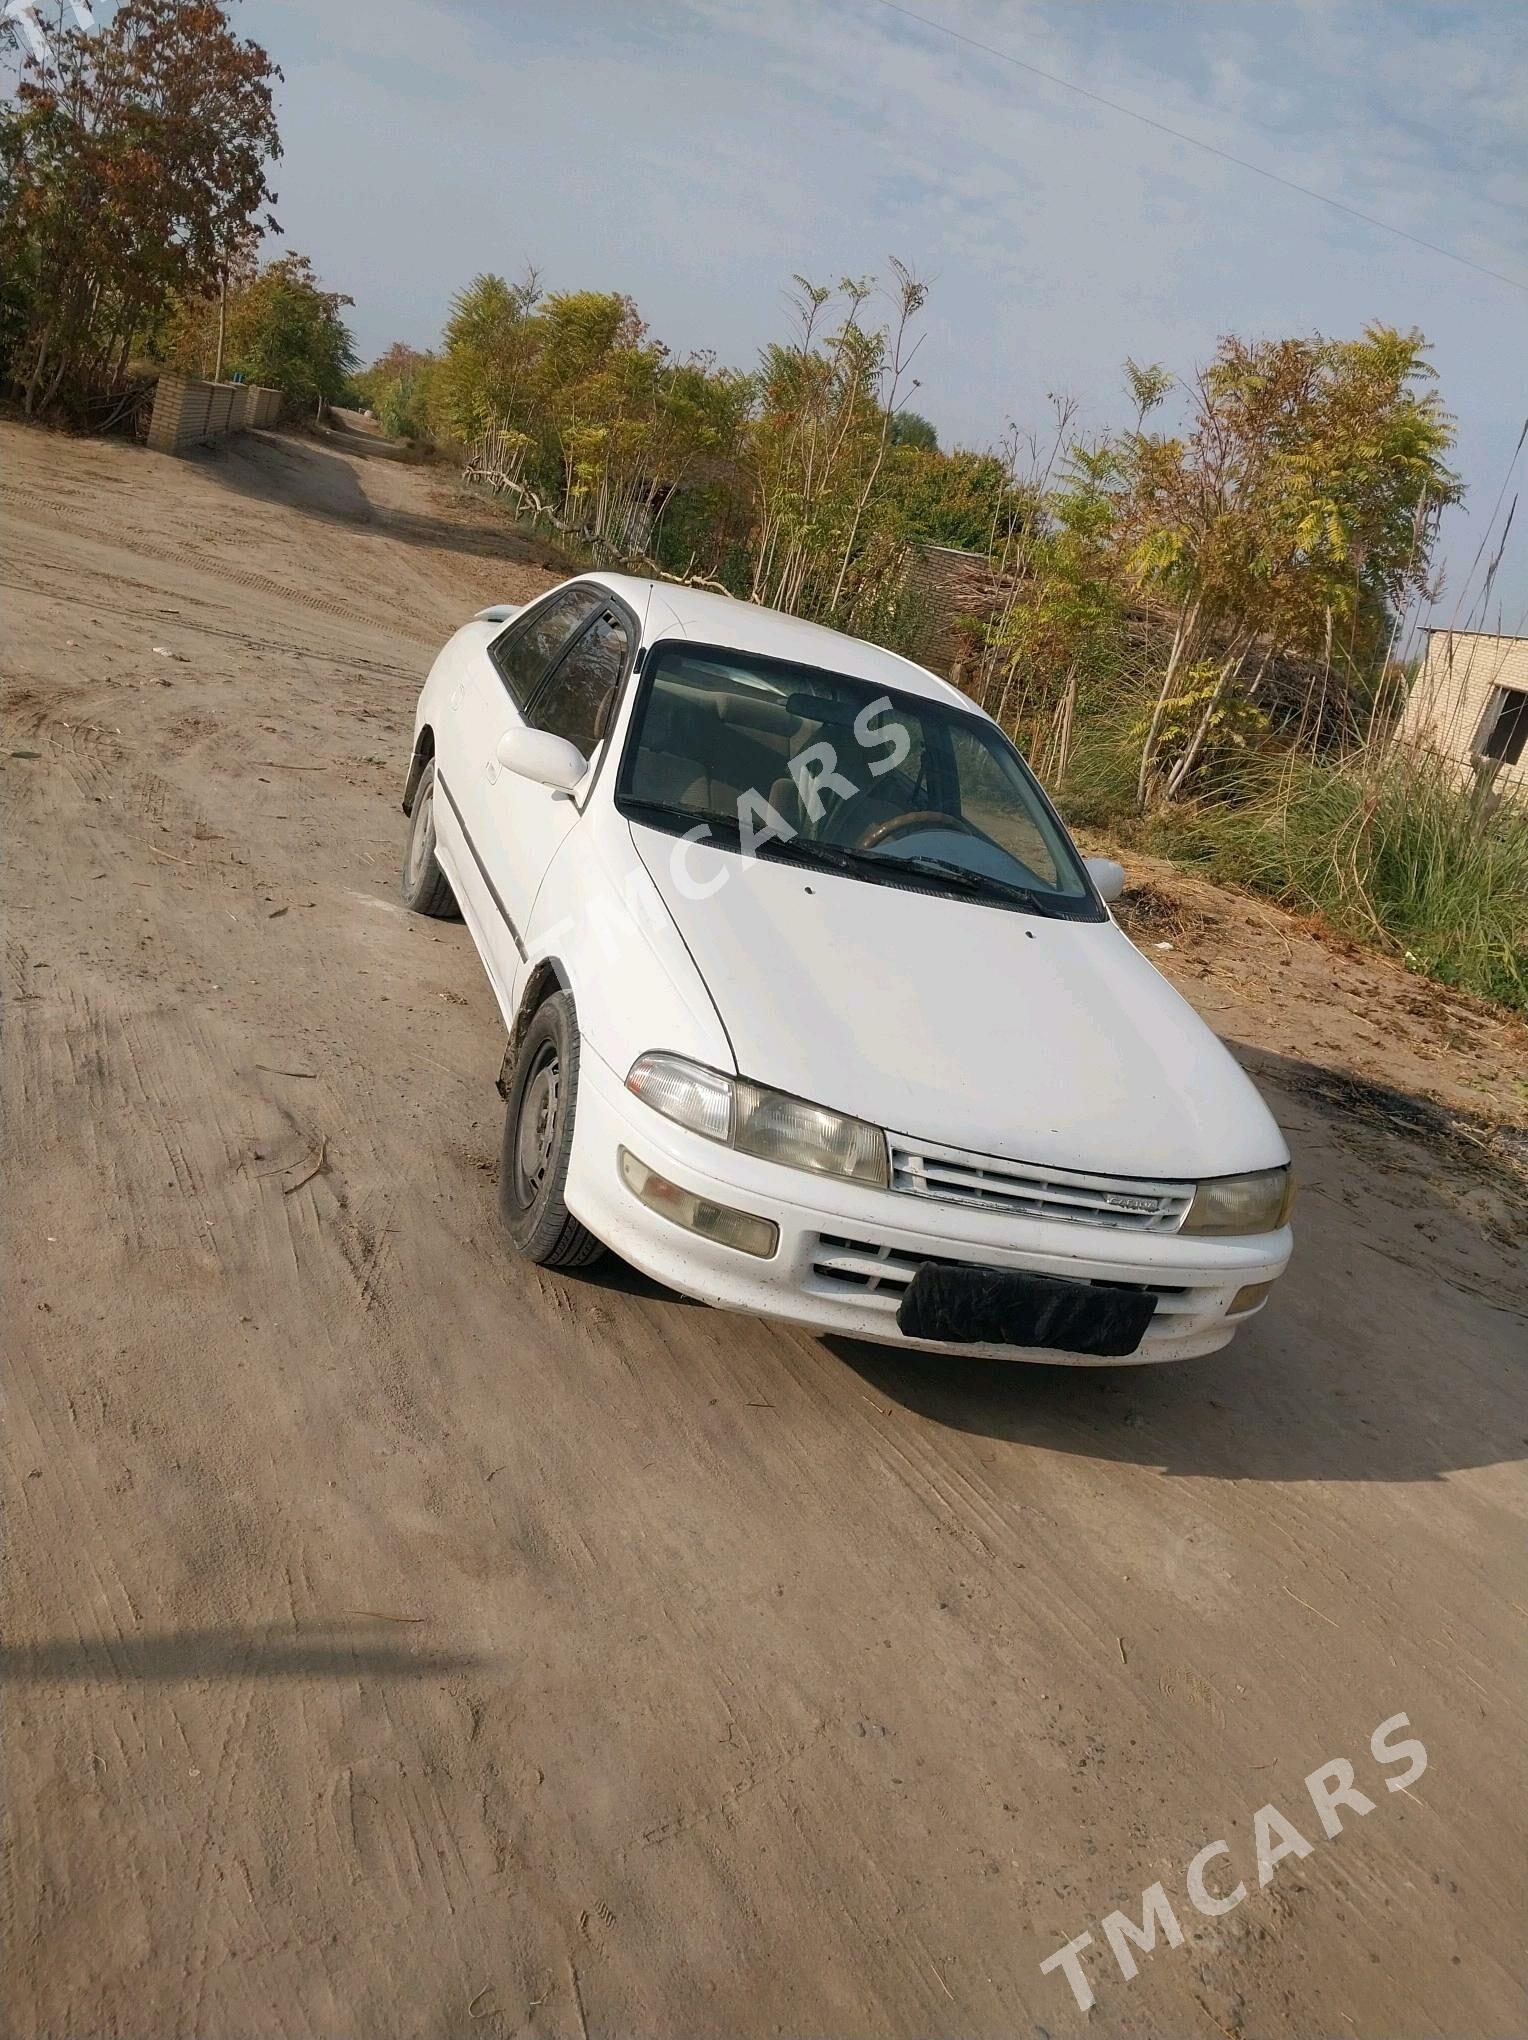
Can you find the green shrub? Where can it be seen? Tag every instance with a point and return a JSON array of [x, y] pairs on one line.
[[1391, 850]]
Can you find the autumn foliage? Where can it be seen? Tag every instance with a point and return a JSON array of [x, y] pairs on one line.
[[134, 169], [800, 484], [276, 325]]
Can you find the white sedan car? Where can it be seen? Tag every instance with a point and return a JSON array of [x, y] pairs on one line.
[[813, 1007]]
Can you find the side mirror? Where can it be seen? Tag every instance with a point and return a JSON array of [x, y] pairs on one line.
[[538, 755], [1108, 876]]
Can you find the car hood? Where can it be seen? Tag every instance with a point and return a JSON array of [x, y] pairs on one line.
[[950, 1021]]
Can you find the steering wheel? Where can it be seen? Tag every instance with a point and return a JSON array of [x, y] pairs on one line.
[[920, 818]]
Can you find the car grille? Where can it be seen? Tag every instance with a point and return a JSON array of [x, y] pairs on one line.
[[841, 1263], [1125, 1202], [878, 1274]]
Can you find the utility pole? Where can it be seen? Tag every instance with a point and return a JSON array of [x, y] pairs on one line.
[[217, 373]]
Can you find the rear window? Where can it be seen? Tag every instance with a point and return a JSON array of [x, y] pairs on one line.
[[526, 650]]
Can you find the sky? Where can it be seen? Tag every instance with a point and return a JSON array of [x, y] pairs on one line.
[[698, 154]]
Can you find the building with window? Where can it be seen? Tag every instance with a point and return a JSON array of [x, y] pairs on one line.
[[1469, 703]]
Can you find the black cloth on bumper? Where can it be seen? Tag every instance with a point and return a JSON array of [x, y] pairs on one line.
[[995, 1307]]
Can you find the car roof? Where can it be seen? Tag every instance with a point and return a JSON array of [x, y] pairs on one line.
[[671, 609]]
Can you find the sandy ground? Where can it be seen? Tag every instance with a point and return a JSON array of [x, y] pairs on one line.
[[399, 1641]]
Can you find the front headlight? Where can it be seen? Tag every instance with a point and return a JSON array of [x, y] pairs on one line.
[[756, 1121], [1258, 1203]]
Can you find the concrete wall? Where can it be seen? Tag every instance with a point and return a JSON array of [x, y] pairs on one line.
[[1461, 671], [188, 413]]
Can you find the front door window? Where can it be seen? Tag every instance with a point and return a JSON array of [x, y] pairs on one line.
[[575, 701]]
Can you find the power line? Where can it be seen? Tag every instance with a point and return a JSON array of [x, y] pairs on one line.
[[1195, 142]]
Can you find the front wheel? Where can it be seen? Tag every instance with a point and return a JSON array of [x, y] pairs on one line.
[[426, 888], [538, 1142]]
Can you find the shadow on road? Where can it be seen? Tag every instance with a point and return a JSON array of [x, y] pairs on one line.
[[303, 476], [343, 1649], [1393, 1349], [1265, 1409], [611, 1272]]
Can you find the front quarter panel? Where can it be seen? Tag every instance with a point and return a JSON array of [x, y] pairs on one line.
[[463, 653], [601, 923]]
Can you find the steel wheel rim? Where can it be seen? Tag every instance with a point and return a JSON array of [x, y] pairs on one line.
[[419, 843], [536, 1125]]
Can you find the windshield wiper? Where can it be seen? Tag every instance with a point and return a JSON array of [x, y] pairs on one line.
[[782, 849], [976, 882], [838, 857], [657, 812], [806, 851]]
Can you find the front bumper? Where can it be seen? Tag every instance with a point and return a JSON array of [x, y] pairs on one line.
[[847, 1251]]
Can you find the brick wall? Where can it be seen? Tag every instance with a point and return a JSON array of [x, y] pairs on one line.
[[948, 585], [1460, 673], [189, 413], [262, 407]]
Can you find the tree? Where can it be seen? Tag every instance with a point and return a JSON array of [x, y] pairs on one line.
[[486, 352], [962, 499], [575, 410], [819, 450], [912, 429], [282, 330], [397, 388], [1297, 516], [138, 170]]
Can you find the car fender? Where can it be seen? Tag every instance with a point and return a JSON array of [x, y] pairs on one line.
[[454, 665], [600, 926]]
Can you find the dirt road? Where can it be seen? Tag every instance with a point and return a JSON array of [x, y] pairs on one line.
[[399, 1641]]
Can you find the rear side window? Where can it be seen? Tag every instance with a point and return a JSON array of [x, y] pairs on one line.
[[526, 650], [575, 702]]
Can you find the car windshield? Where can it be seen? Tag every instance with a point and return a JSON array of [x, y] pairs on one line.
[[777, 760]]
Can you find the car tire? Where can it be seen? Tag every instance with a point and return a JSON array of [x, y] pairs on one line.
[[426, 888], [538, 1142]]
